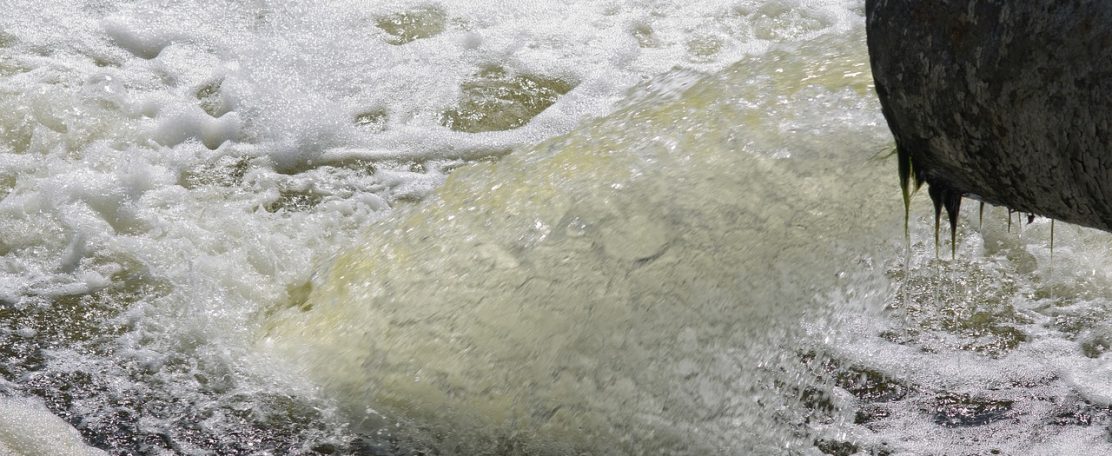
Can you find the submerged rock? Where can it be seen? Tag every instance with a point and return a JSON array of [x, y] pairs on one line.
[[957, 410], [497, 100], [408, 26]]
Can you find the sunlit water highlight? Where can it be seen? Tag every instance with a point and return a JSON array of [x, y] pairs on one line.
[[487, 228]]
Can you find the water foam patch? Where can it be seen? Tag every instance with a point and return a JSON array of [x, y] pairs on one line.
[[173, 174], [28, 428], [298, 80], [1002, 347]]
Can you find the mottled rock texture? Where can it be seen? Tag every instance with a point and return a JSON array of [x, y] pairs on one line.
[[1007, 100]]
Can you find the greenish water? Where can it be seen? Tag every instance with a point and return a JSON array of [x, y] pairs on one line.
[[619, 289]]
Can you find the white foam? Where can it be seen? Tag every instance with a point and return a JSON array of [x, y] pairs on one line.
[[210, 148], [27, 428], [107, 98], [193, 123], [298, 79]]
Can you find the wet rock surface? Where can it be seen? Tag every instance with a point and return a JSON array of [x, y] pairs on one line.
[[1004, 100]]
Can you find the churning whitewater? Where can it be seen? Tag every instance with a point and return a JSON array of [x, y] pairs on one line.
[[463, 228]]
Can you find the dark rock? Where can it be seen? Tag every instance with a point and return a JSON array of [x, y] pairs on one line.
[[817, 400], [1078, 412], [1009, 101], [836, 448], [870, 385], [962, 410], [870, 413]]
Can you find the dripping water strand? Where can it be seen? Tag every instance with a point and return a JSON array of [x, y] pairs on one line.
[[981, 217], [1052, 244], [904, 164], [935, 192], [904, 161], [953, 211], [1050, 272]]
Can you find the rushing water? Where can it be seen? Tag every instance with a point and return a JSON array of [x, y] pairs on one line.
[[629, 227]]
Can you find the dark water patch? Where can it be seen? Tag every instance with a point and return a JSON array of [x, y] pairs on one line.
[[877, 398], [413, 25], [303, 166], [292, 193], [347, 165], [9, 67], [704, 48], [994, 340], [18, 130], [645, 36], [7, 40], [363, 447], [7, 184], [800, 406], [1075, 322], [210, 100], [497, 100], [870, 385], [1077, 308], [1079, 289], [277, 428], [39, 323], [69, 350], [871, 413], [836, 448], [225, 171], [1073, 411], [372, 121], [130, 408], [365, 167], [1095, 346], [817, 400], [59, 322], [775, 21], [972, 302], [867, 385], [963, 410], [294, 201], [299, 295], [103, 61]]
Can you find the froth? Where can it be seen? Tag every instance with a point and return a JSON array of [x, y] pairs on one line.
[[298, 81], [1000, 350], [28, 428], [172, 172]]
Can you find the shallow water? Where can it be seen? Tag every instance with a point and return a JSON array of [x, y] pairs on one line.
[[486, 228], [613, 290]]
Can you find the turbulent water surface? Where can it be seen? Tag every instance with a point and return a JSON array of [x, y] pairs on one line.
[[463, 228]]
